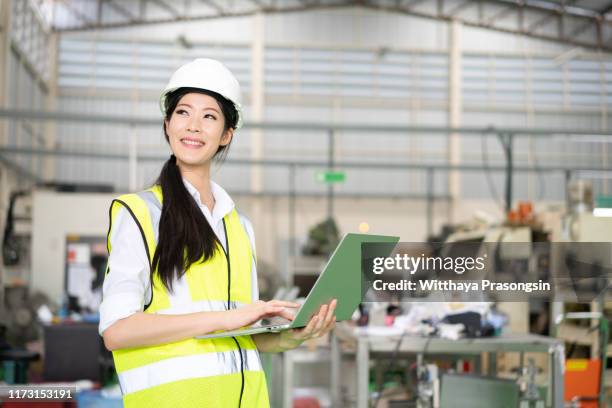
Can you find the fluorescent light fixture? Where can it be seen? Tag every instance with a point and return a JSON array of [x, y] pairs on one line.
[[602, 212], [602, 174], [595, 138]]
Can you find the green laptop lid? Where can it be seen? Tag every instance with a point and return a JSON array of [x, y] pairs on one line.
[[341, 279]]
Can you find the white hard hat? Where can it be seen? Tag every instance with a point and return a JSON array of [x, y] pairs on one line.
[[209, 74]]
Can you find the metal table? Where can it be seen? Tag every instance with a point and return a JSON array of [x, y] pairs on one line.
[[506, 343]]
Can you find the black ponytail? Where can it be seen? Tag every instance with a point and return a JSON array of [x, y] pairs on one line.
[[185, 236]]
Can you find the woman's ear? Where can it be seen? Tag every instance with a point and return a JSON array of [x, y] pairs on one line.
[[227, 137], [166, 129]]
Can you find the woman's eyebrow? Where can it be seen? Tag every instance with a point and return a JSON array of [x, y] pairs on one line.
[[206, 108]]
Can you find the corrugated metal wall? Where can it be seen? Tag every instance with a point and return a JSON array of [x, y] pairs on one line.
[[346, 67], [28, 68]]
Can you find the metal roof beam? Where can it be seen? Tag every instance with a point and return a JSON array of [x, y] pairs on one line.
[[582, 28], [162, 4], [229, 13], [556, 12], [501, 14], [215, 6], [558, 37], [80, 16], [521, 7], [120, 9], [550, 6], [412, 3], [606, 9], [99, 11], [540, 22], [12, 150], [20, 114], [271, 6], [18, 168], [459, 8]]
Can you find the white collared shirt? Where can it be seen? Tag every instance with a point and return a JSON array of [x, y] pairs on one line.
[[127, 286]]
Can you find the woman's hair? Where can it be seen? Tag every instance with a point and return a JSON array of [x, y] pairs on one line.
[[185, 237]]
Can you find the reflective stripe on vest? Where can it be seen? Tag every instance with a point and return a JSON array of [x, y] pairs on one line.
[[181, 368], [146, 372], [201, 306]]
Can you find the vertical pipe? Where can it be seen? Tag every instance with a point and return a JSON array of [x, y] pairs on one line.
[[558, 359], [430, 200], [257, 100], [530, 115], [330, 167], [508, 145], [5, 66], [604, 113], [288, 370], [568, 178], [455, 108], [256, 135], [133, 159], [363, 359], [51, 103], [292, 241], [336, 363]]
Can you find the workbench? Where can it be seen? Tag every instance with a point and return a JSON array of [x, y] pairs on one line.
[[369, 344]]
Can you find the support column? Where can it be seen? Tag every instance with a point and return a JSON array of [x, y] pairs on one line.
[[5, 15], [257, 99], [533, 181], [287, 277], [330, 167], [336, 367], [5, 47], [604, 118], [430, 201], [256, 135], [51, 104], [133, 159], [363, 372], [455, 108]]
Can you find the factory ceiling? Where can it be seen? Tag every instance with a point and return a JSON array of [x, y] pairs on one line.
[[582, 23]]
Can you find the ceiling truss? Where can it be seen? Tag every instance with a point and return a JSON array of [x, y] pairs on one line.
[[564, 21]]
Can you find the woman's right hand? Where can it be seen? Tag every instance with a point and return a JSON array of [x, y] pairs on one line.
[[251, 313]]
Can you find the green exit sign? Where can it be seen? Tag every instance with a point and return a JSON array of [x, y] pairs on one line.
[[603, 201], [330, 177]]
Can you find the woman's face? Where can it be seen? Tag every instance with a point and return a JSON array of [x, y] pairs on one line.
[[196, 130]]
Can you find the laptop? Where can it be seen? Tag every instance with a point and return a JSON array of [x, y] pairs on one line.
[[340, 279]]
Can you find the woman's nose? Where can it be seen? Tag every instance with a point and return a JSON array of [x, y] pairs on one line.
[[194, 126]]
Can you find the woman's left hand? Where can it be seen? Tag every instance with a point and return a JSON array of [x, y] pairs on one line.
[[319, 325]]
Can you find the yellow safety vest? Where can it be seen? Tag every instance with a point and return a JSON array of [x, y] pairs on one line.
[[193, 372]]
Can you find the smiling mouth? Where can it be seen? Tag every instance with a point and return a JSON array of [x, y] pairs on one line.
[[192, 142]]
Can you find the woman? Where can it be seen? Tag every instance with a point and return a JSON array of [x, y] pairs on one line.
[[182, 264]]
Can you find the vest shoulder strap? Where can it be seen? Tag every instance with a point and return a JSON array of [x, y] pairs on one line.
[[138, 209], [246, 225]]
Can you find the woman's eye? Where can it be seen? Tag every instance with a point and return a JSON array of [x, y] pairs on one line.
[[210, 116], [181, 111]]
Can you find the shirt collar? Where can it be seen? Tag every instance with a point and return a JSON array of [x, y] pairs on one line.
[[223, 202]]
